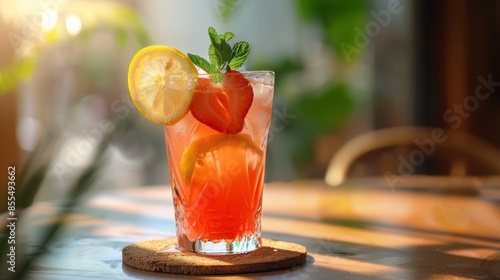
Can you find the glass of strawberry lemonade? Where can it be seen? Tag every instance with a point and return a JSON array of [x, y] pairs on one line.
[[217, 177], [216, 126]]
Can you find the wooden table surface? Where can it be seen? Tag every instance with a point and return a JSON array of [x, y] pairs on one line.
[[362, 230]]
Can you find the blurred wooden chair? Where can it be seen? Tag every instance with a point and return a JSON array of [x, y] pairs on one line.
[[399, 156]]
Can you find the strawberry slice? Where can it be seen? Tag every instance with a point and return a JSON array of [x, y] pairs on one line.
[[223, 106], [209, 104]]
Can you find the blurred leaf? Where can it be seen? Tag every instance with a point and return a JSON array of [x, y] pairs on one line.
[[31, 175], [8, 79], [327, 109], [121, 36], [15, 72], [226, 8], [318, 113], [339, 19], [30, 189]]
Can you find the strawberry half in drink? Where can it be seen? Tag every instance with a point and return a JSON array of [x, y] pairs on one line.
[[223, 106]]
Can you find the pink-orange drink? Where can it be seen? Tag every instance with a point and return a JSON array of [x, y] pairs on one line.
[[217, 177]]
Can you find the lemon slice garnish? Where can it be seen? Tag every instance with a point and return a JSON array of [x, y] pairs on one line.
[[161, 81]]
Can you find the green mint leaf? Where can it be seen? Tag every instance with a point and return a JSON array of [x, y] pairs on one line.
[[221, 56], [215, 39], [214, 56], [203, 64], [240, 53], [227, 36], [225, 52]]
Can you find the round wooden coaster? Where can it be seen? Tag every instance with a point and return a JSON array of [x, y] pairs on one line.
[[273, 255]]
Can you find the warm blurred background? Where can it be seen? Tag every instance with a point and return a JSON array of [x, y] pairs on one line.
[[343, 67]]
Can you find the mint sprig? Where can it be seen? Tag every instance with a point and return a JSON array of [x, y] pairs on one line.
[[222, 56]]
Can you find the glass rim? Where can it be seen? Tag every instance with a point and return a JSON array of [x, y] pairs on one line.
[[183, 81], [244, 72]]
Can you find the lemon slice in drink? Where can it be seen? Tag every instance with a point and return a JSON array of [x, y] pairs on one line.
[[161, 81], [197, 152]]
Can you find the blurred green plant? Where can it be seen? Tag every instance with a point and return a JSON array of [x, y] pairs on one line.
[[87, 18], [323, 108], [73, 19]]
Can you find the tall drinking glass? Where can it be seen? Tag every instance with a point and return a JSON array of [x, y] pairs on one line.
[[217, 178]]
